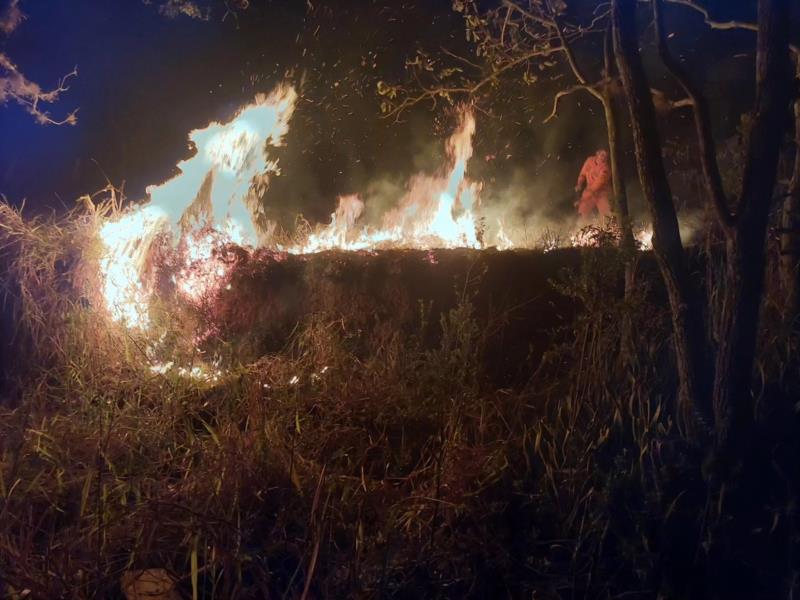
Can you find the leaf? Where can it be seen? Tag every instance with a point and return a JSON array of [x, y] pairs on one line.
[[195, 588], [211, 432], [87, 486]]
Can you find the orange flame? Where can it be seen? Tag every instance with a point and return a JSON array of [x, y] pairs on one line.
[[216, 191], [213, 203], [437, 211]]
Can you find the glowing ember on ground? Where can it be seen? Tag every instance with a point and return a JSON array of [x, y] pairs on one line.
[[205, 268], [197, 372]]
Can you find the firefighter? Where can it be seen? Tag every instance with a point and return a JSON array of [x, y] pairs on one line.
[[595, 187]]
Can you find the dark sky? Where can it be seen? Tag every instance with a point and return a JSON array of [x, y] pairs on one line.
[[145, 81]]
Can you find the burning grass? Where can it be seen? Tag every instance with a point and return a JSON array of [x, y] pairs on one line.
[[322, 468], [349, 462], [233, 418]]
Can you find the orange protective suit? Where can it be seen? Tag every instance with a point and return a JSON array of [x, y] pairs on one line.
[[594, 186]]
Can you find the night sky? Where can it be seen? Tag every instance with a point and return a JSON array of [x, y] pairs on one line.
[[145, 81]]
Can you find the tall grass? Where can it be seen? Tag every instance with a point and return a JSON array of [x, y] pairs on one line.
[[322, 471]]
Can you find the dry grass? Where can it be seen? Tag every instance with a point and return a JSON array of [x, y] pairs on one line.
[[317, 472]]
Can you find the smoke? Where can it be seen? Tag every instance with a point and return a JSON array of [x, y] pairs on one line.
[[526, 173], [530, 205], [522, 195]]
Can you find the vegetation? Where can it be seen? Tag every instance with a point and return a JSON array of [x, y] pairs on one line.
[[652, 452], [325, 471], [716, 372]]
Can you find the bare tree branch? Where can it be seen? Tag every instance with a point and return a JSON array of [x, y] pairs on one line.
[[557, 39], [15, 86], [553, 22], [432, 93], [568, 92], [466, 61], [702, 120], [505, 24], [568, 53], [11, 17], [713, 24], [546, 22], [722, 25]]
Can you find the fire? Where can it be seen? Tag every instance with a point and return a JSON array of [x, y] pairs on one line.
[[220, 185], [204, 267], [645, 238], [437, 211], [504, 242], [211, 203], [196, 224], [340, 232], [126, 242], [593, 236]]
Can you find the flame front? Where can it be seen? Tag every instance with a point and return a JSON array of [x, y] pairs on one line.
[[126, 243], [437, 211], [211, 203]]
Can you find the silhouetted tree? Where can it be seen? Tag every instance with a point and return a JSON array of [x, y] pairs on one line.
[[718, 385]]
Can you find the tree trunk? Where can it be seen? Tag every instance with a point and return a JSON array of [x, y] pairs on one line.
[[746, 250], [685, 299], [620, 198], [614, 129], [790, 226]]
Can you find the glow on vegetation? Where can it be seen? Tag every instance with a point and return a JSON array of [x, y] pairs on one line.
[[210, 203], [214, 202]]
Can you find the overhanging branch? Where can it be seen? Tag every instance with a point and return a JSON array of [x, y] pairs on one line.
[[702, 121], [568, 92], [545, 22], [432, 93], [712, 23], [15, 86], [722, 25]]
